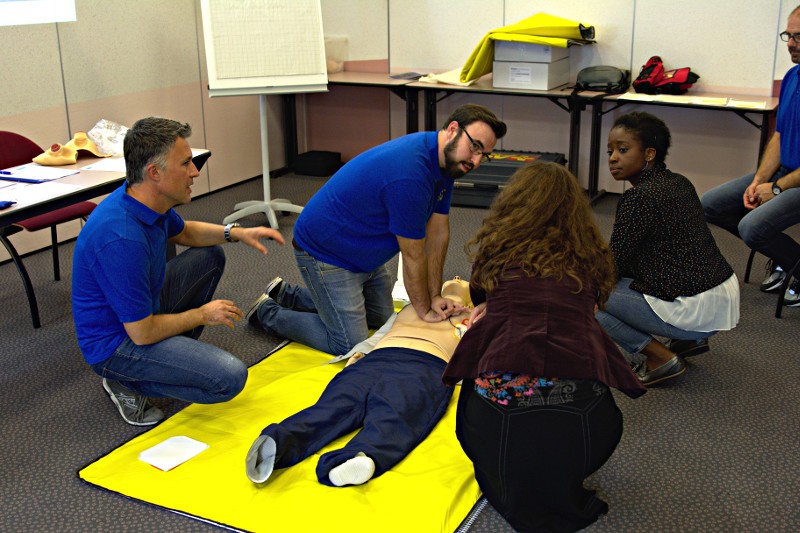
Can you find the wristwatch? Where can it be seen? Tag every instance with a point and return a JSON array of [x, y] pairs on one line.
[[776, 189], [228, 229]]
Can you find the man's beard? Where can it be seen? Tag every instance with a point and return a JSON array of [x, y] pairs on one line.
[[794, 53], [451, 165]]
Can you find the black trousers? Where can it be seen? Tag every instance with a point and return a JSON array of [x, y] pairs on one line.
[[530, 462]]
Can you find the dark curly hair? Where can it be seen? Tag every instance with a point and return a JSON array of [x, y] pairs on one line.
[[650, 130]]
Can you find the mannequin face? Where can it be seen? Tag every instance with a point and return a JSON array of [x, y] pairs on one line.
[[626, 157]]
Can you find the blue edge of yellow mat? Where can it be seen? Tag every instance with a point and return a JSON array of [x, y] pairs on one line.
[[433, 489]]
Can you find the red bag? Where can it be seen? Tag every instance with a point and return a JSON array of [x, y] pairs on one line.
[[676, 81], [652, 72], [654, 80]]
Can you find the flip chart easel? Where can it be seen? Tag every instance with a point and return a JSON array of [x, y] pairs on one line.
[[260, 48]]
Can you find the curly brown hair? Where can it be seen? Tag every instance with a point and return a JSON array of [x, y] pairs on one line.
[[542, 222]]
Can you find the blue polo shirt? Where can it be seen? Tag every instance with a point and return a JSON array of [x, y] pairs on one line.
[[118, 270], [392, 189], [788, 122]]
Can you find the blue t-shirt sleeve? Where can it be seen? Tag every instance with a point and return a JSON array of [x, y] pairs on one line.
[[175, 223], [122, 270], [408, 205]]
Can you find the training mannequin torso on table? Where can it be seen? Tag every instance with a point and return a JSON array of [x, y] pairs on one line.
[[392, 388]]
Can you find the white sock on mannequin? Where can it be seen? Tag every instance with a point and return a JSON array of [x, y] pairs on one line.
[[354, 471], [260, 459]]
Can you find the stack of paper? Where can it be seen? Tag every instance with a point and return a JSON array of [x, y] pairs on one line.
[[34, 173], [172, 452]]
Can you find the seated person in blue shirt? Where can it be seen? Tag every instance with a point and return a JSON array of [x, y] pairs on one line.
[[761, 206], [137, 316], [396, 389]]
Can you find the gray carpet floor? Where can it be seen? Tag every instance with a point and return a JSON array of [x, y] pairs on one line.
[[715, 450]]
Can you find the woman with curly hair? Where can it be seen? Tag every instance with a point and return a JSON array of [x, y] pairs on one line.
[[535, 413]]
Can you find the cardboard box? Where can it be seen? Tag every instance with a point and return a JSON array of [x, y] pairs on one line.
[[534, 76], [533, 53]]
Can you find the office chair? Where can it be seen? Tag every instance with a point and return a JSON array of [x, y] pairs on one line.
[[795, 270], [17, 150]]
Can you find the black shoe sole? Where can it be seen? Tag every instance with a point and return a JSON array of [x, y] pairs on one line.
[[695, 351], [772, 288]]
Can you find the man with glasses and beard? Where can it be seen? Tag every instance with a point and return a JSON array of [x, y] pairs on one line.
[[760, 206], [393, 197]]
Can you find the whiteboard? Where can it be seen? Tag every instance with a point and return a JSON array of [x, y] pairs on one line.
[[264, 46]]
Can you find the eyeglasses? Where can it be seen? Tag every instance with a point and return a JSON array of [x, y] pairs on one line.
[[476, 148], [785, 36]]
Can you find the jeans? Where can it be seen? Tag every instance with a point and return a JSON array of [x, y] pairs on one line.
[[760, 228], [530, 462], [629, 320], [395, 395], [335, 311], [181, 367]]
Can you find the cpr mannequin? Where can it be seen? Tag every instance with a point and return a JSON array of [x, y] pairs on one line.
[[67, 154], [80, 141], [57, 155], [395, 389]]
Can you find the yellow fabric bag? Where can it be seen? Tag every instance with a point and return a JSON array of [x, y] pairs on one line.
[[543, 29], [433, 489]]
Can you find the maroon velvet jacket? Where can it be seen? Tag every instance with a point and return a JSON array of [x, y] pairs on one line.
[[540, 327]]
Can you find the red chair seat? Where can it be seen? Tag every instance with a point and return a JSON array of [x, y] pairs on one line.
[[65, 214], [16, 150]]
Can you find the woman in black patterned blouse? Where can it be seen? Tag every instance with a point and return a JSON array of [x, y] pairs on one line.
[[673, 280]]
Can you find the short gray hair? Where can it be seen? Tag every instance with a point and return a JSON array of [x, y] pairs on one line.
[[149, 141]]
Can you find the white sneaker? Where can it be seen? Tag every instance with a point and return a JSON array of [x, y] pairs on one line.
[[791, 298], [774, 279]]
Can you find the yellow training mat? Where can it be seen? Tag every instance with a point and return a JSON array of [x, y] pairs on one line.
[[541, 28], [433, 489]]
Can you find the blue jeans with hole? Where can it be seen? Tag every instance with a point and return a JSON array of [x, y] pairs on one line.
[[181, 367], [336, 308], [631, 322], [761, 228]]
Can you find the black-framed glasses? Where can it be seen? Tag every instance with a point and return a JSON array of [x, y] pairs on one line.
[[475, 147], [785, 36]]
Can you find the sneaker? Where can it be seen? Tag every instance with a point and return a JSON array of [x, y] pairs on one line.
[[275, 288], [791, 298], [671, 369], [273, 291], [252, 314], [134, 407], [688, 348], [774, 279]]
